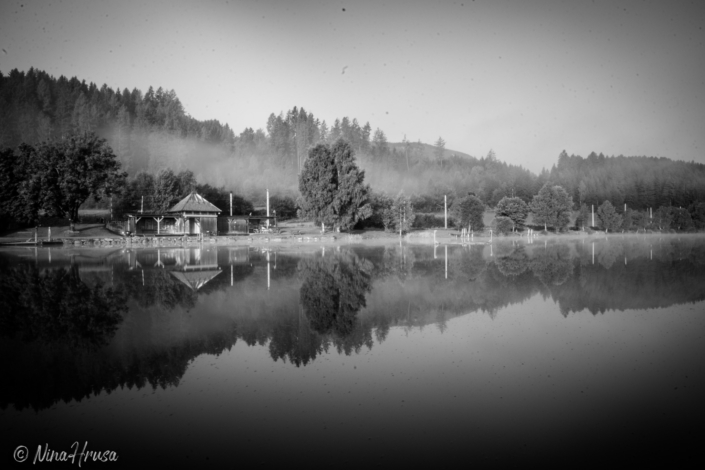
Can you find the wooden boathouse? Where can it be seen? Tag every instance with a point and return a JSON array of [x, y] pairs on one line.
[[193, 215]]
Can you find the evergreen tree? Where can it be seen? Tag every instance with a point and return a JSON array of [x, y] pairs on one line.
[[380, 148], [332, 187], [439, 150]]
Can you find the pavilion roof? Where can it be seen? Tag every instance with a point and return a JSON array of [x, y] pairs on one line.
[[194, 202]]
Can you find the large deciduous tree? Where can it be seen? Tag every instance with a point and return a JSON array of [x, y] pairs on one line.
[[332, 187], [73, 169], [57, 177], [552, 206], [468, 212], [610, 220], [514, 208]]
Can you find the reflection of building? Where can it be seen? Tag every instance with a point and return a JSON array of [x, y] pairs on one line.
[[192, 266], [196, 267], [190, 216]]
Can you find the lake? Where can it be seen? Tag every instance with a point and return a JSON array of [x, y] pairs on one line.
[[579, 352]]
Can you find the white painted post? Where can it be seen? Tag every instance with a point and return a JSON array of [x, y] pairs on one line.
[[445, 210], [231, 203], [267, 207]]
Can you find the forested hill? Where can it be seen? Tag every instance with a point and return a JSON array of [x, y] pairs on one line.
[[640, 182], [151, 132], [35, 107]]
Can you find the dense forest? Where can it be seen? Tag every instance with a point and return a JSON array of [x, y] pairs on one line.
[[152, 132]]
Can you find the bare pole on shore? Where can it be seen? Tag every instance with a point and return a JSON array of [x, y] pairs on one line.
[[445, 209], [267, 208]]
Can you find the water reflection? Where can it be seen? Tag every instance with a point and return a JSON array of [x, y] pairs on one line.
[[97, 320]]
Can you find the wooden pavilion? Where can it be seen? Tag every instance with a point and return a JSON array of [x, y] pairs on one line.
[[192, 215]]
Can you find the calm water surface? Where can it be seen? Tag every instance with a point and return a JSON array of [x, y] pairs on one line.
[[581, 353]]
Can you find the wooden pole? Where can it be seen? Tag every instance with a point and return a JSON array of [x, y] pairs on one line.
[[231, 203]]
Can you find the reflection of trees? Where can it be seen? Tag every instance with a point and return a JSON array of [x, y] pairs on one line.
[[513, 263], [56, 307], [552, 265], [157, 338], [608, 254], [159, 288], [334, 291], [470, 264]]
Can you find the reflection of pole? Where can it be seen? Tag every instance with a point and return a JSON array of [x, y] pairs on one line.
[[446, 261], [593, 215], [445, 209], [231, 275], [268, 271], [49, 255], [593, 253]]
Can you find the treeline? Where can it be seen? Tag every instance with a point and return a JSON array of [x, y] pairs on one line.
[[638, 182], [36, 107], [151, 131]]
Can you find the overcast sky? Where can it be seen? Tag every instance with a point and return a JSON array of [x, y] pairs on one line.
[[525, 78]]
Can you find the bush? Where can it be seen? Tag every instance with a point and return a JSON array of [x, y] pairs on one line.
[[285, 206], [503, 224], [423, 221]]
